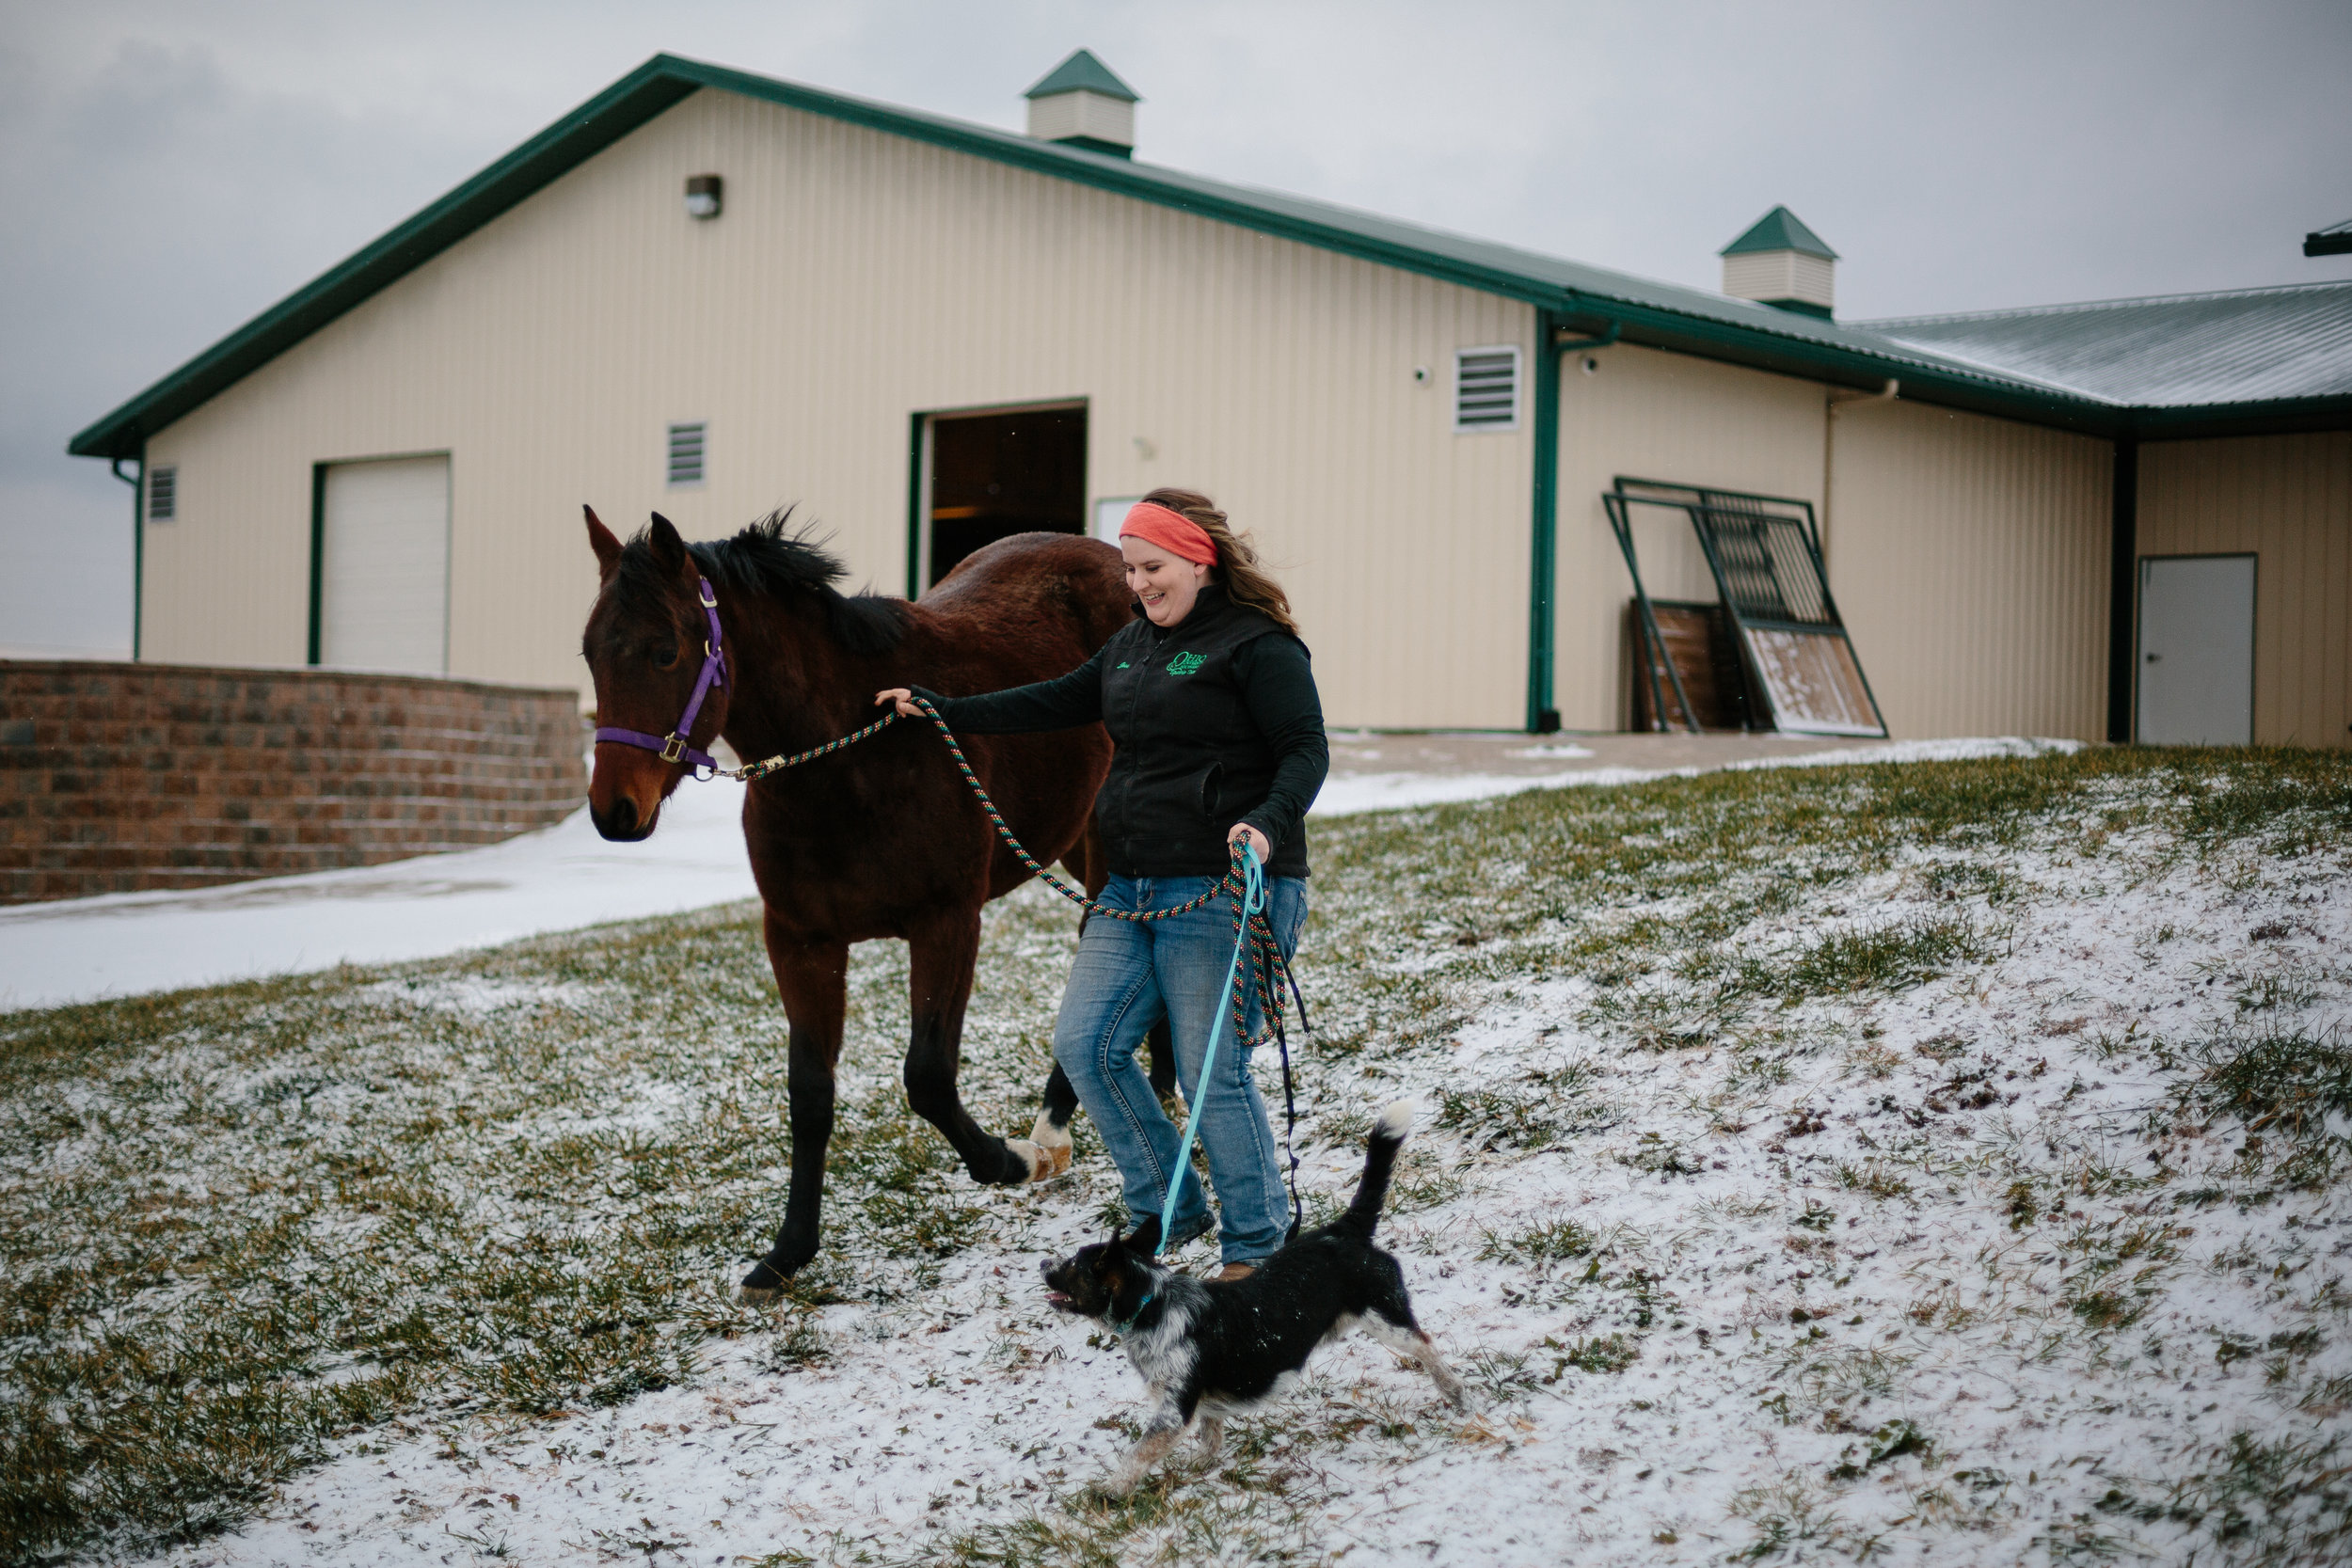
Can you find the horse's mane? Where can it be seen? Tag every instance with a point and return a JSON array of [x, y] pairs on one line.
[[773, 558]]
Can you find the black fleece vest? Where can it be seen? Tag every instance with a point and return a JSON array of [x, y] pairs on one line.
[[1190, 761]]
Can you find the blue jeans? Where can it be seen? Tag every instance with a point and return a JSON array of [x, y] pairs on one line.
[[1129, 976]]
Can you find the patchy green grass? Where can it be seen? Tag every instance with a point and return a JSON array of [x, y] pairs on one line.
[[243, 1229], [239, 1224]]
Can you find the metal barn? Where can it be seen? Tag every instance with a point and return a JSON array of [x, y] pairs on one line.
[[709, 293]]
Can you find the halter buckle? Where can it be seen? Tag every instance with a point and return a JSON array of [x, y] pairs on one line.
[[674, 749], [708, 603]]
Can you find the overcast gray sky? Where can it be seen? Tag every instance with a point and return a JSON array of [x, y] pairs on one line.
[[171, 167]]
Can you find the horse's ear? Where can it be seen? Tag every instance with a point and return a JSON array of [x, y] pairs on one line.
[[600, 540], [667, 548]]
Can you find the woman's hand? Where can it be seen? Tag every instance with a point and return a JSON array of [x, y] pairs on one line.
[[901, 696], [1258, 846]]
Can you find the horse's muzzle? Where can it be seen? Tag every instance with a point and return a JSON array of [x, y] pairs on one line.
[[618, 821]]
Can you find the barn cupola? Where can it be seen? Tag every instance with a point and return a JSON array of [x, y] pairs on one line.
[[1080, 104], [1779, 262]]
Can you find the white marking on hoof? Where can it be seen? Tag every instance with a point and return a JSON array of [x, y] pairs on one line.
[[1046, 1148], [1044, 1164]]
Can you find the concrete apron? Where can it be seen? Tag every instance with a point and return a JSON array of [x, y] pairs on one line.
[[1361, 754]]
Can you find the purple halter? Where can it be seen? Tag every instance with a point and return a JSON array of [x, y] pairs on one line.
[[674, 747]]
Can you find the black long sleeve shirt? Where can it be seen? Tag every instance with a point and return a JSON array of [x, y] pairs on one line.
[[1216, 720]]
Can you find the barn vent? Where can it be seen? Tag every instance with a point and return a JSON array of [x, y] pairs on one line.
[[1081, 102], [163, 494], [1487, 388], [686, 453], [1781, 262]]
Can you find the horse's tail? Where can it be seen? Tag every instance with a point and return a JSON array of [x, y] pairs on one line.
[[1388, 1135]]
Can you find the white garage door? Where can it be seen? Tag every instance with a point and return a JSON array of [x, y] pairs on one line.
[[383, 565], [2197, 650]]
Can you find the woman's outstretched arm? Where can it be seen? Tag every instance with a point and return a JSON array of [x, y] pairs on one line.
[[1063, 703]]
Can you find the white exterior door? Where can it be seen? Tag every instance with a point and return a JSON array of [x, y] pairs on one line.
[[2197, 650], [384, 566]]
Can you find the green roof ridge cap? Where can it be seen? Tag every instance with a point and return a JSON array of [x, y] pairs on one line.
[[1083, 73], [1779, 229]]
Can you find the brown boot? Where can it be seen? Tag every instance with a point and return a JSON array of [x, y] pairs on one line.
[[1232, 1271]]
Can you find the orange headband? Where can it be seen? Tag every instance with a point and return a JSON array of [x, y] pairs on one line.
[[1171, 530]]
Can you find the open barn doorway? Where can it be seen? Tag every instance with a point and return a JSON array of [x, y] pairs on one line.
[[986, 475]]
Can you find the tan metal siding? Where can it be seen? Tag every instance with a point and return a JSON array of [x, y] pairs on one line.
[[2287, 499], [1648, 415], [854, 279], [1969, 558]]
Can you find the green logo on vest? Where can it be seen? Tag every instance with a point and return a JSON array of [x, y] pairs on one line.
[[1122, 664], [1185, 664]]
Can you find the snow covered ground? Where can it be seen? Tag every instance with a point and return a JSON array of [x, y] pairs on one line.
[[1943, 1165], [563, 879]]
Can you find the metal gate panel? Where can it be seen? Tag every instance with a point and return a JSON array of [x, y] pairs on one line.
[[1765, 553]]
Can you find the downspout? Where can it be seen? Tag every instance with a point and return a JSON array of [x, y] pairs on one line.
[[139, 543], [1543, 717], [1829, 447], [2123, 585]]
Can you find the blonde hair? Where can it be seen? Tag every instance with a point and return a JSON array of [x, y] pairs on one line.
[[1245, 581]]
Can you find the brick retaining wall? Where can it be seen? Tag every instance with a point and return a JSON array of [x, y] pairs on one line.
[[121, 777]]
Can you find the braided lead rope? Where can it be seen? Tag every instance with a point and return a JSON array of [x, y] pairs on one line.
[[1267, 967], [750, 771]]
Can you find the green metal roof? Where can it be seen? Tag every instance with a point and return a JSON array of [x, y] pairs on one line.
[[2174, 350], [1083, 73], [1779, 229], [1640, 310]]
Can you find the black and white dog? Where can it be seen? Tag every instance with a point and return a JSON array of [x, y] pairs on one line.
[[1215, 1350]]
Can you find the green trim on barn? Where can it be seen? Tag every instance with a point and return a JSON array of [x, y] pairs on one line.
[[916, 426], [1543, 536], [1651, 314], [318, 563], [1092, 144]]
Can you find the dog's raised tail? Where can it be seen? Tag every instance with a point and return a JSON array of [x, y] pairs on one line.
[[1388, 1135]]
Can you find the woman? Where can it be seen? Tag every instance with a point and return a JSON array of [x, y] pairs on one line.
[[1211, 704]]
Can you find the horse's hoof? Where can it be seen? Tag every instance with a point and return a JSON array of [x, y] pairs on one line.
[[764, 1284]]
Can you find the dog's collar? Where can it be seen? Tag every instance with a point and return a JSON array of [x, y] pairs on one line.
[[1135, 1317]]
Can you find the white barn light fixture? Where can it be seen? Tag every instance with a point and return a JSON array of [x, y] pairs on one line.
[[704, 196]]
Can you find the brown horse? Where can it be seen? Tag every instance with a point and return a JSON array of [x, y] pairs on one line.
[[881, 839]]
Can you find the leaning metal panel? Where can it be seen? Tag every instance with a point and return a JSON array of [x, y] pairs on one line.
[[1765, 553]]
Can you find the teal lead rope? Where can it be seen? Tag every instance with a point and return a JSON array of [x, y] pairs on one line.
[[1270, 970], [1253, 904]]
